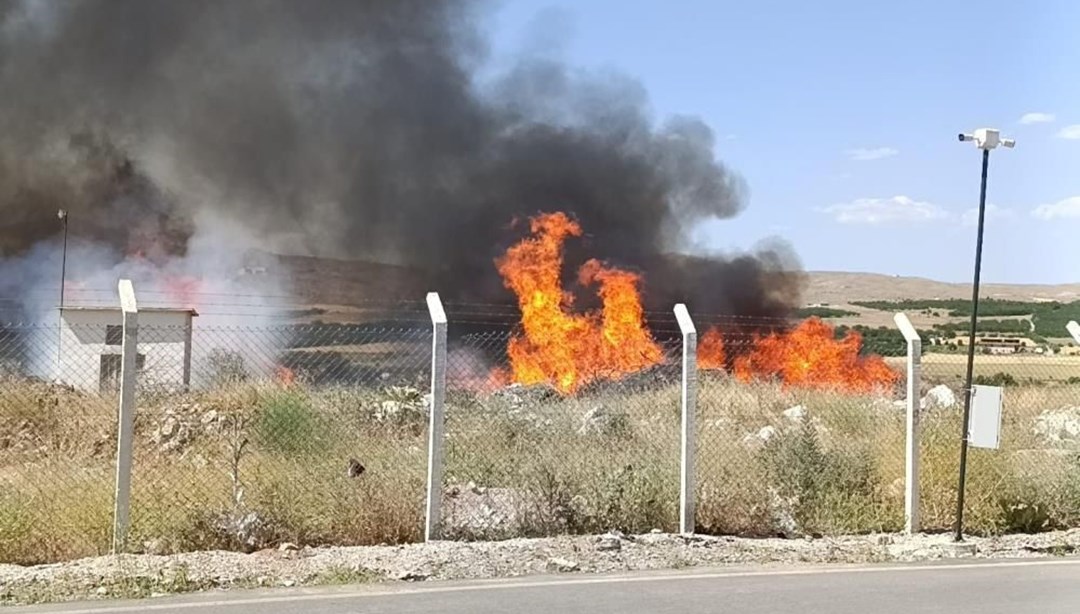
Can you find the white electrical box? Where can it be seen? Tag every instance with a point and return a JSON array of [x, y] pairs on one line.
[[984, 428]]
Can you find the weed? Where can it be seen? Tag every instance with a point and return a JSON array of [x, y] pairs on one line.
[[287, 424]]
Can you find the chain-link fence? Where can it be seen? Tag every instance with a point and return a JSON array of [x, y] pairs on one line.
[[308, 434], [57, 444], [530, 460], [1031, 481], [246, 437], [797, 432]]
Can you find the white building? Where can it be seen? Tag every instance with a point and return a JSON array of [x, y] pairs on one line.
[[90, 340]]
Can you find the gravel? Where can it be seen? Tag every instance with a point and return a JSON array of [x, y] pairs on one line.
[[147, 575]]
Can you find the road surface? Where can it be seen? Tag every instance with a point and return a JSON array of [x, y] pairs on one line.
[[1044, 586]]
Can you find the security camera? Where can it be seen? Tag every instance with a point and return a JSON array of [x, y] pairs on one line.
[[987, 139]]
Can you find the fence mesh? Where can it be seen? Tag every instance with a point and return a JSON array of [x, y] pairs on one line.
[[57, 445], [250, 436], [1032, 480], [530, 460], [797, 434], [289, 434]]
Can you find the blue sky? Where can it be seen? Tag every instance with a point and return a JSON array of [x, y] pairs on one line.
[[842, 117]]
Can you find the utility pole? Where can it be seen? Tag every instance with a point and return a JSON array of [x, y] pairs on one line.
[[985, 139]]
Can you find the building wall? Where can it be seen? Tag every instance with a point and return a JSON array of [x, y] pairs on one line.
[[164, 344]]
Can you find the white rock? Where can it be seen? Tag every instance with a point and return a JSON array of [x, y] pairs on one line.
[[940, 396], [795, 414], [602, 421], [756, 440], [1059, 425], [562, 565], [609, 542]]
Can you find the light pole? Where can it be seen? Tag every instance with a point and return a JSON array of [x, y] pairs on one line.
[[63, 216], [985, 139]]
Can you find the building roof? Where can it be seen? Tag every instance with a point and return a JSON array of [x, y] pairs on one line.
[[187, 310]]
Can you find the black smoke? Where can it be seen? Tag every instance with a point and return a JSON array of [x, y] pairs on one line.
[[351, 128]]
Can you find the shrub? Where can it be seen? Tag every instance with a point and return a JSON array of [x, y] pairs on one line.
[[226, 368], [997, 379], [287, 424], [814, 481]]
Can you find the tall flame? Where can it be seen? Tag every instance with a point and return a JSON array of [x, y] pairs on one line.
[[570, 349], [711, 353], [808, 355], [558, 345]]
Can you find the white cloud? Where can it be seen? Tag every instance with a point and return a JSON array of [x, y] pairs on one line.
[[1037, 118], [993, 212], [864, 155], [884, 211], [1070, 132], [1067, 208]]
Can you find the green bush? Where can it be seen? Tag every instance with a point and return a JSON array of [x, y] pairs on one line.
[[818, 480], [997, 379], [824, 312], [287, 424]]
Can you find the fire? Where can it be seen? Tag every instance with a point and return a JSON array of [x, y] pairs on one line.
[[183, 289], [711, 354], [558, 345], [285, 376], [570, 349], [808, 355]]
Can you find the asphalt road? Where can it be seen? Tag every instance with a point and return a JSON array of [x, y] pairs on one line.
[[1047, 587]]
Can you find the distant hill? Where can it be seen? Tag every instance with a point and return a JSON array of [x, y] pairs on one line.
[[839, 288], [338, 288]]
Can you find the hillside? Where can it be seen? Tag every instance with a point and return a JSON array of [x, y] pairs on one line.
[[839, 288], [339, 282]]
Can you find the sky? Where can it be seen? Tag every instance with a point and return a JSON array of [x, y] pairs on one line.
[[843, 117]]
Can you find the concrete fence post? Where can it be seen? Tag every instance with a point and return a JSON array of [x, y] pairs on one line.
[[687, 482], [436, 422], [1074, 330], [911, 464], [126, 414]]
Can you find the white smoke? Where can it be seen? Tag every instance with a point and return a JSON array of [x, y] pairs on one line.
[[241, 299]]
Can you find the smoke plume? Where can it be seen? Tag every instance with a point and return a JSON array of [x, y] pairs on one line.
[[355, 129]]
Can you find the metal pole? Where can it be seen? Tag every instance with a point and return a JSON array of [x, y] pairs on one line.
[[959, 529], [63, 279]]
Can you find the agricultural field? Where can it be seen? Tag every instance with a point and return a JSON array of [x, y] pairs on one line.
[[1032, 369]]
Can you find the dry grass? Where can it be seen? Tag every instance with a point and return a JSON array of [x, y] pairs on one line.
[[255, 465]]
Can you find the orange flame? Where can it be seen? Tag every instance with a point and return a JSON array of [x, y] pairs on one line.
[[285, 376], [711, 353], [183, 289], [565, 348], [808, 355]]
